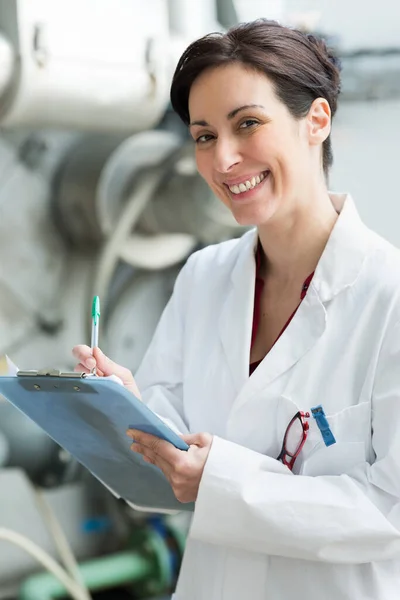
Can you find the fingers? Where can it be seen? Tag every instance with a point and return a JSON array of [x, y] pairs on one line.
[[88, 360], [109, 367], [84, 356], [81, 369], [151, 451], [152, 458], [154, 446], [182, 469]]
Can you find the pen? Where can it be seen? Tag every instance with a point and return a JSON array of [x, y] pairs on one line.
[[95, 325]]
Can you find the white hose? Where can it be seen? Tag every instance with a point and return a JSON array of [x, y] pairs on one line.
[[45, 560], [138, 200], [64, 549]]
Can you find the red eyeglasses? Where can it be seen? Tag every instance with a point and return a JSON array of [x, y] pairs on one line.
[[293, 441]]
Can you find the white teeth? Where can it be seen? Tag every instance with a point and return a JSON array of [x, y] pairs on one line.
[[244, 186]]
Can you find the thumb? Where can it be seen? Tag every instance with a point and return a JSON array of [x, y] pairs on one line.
[[106, 365], [109, 367], [197, 439]]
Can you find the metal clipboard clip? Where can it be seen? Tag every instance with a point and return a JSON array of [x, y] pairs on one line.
[[53, 380], [51, 373]]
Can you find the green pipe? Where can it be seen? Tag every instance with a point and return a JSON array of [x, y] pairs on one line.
[[101, 573]]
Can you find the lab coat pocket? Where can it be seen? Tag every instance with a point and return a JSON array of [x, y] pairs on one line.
[[334, 460], [351, 428]]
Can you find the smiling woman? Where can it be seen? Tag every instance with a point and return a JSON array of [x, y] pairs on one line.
[[260, 119], [300, 66], [304, 309]]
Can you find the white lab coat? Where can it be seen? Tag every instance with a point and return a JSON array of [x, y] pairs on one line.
[[331, 530]]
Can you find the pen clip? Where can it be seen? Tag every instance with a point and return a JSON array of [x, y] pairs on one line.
[[322, 422]]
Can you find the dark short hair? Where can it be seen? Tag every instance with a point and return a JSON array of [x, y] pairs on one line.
[[300, 66]]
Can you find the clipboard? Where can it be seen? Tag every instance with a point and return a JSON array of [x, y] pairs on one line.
[[88, 416]]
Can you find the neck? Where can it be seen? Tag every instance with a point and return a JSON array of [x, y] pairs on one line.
[[293, 244]]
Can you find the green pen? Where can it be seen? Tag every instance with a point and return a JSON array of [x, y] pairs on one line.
[[95, 324]]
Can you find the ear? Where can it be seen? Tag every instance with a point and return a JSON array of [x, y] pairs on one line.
[[318, 121]]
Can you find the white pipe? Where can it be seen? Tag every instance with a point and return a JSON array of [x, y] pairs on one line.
[[7, 63], [61, 542], [45, 560]]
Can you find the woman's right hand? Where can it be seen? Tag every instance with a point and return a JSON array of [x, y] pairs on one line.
[[88, 360]]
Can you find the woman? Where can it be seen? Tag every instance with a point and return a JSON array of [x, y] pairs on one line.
[[282, 346]]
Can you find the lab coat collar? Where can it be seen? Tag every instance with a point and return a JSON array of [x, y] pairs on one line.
[[235, 323], [341, 260], [337, 269], [345, 251]]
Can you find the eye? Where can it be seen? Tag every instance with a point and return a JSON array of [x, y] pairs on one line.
[[202, 139], [248, 123]]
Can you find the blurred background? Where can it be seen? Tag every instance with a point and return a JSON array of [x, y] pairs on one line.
[[99, 195]]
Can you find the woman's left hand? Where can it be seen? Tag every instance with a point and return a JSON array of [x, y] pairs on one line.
[[183, 469]]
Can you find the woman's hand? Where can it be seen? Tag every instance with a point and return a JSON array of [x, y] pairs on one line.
[[182, 469], [88, 360]]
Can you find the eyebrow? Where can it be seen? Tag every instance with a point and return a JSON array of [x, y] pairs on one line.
[[230, 115]]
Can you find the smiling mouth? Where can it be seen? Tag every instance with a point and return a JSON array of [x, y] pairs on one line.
[[248, 184]]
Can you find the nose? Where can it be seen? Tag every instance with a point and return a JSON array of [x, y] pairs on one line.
[[226, 155]]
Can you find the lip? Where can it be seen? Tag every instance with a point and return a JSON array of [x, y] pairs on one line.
[[243, 178], [247, 196]]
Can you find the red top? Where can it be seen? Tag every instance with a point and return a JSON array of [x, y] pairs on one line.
[[257, 300]]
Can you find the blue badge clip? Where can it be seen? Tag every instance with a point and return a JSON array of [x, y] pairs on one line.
[[323, 425]]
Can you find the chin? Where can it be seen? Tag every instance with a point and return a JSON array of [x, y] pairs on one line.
[[255, 217]]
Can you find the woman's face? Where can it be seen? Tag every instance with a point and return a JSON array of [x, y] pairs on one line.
[[252, 153]]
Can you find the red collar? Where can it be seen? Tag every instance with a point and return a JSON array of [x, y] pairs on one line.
[[260, 280], [257, 300]]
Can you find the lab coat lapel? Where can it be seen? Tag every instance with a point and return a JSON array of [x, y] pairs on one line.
[[235, 323], [235, 327], [303, 332], [334, 273]]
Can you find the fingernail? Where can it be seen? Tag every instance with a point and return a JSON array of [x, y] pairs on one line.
[[90, 363]]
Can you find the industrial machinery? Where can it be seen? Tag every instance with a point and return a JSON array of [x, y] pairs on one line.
[[99, 194]]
